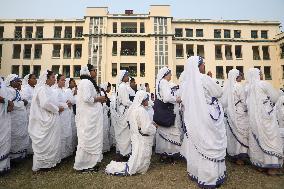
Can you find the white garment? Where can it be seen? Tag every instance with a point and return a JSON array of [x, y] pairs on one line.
[[280, 111], [140, 124], [121, 128], [44, 128], [168, 140], [65, 124], [27, 93], [5, 131], [19, 125], [89, 127], [265, 143], [205, 139], [106, 122]]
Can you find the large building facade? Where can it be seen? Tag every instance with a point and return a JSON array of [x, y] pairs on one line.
[[140, 43]]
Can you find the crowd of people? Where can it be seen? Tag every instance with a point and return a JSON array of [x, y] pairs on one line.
[[197, 120]]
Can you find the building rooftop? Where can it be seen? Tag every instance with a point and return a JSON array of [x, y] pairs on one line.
[[210, 21], [26, 20]]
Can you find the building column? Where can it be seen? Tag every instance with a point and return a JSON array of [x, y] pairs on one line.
[[195, 49], [233, 52], [223, 52]]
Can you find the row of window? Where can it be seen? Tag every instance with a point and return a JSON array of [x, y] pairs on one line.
[[228, 54], [29, 32], [128, 27], [179, 32], [130, 67], [56, 52], [128, 48], [26, 69]]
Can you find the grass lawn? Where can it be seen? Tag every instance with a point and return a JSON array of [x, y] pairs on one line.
[[159, 175]]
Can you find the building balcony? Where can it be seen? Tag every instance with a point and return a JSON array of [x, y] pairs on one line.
[[128, 52]]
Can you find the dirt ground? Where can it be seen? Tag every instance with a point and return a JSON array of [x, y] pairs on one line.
[[159, 175]]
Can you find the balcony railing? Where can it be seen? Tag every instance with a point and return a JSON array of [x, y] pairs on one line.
[[57, 34], [18, 34], [128, 30], [218, 56], [256, 57], [39, 35], [37, 55], [29, 35], [128, 52], [68, 35], [266, 57], [56, 53]]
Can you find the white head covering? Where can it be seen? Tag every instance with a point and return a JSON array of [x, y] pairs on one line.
[[121, 75], [207, 139], [138, 99], [104, 86], [2, 84], [161, 73], [25, 80], [142, 87], [41, 80], [11, 77], [228, 97], [84, 71]]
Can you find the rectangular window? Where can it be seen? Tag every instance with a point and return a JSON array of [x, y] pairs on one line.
[[227, 33], [79, 31], [27, 51], [0, 55], [228, 68], [282, 71], [179, 50], [38, 51], [114, 27], [228, 52], [16, 51], [37, 69], [78, 51], [39, 32], [142, 27], [189, 51], [18, 32], [200, 51], [128, 48], [15, 69], [76, 71], [56, 51], [114, 48], [114, 69], [254, 34], [67, 51], [237, 33], [68, 32], [179, 70], [282, 51], [55, 69], [26, 70], [217, 33], [264, 34], [1, 32], [241, 70], [57, 31], [238, 51], [265, 51], [66, 71], [189, 32], [29, 32], [142, 69], [128, 27], [267, 73], [199, 33], [218, 52], [178, 32], [219, 72], [130, 67], [142, 48], [255, 50]]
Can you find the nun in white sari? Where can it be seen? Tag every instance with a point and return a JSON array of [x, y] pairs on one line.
[[89, 122], [205, 130], [5, 129], [237, 122], [119, 115], [19, 120], [265, 143], [168, 139], [142, 133], [44, 128]]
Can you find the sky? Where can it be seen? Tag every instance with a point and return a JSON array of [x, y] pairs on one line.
[[202, 9]]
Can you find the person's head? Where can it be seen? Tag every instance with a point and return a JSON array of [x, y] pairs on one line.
[[50, 78], [133, 83], [125, 77], [210, 74], [60, 80], [72, 83], [152, 97], [147, 86], [92, 70], [32, 80], [145, 102], [168, 76], [108, 87], [16, 83], [240, 77]]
